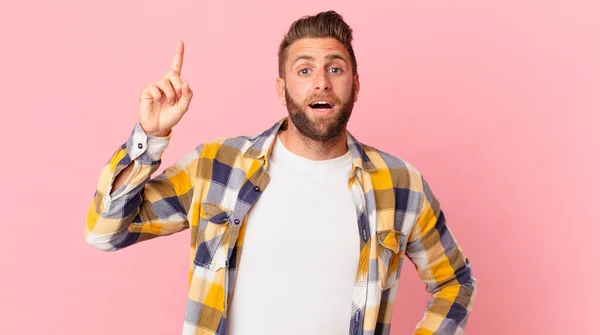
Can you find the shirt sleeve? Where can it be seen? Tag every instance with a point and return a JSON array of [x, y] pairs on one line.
[[143, 207], [443, 268]]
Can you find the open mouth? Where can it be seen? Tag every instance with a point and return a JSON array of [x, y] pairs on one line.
[[321, 105]]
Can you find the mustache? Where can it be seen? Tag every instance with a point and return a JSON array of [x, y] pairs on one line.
[[314, 97]]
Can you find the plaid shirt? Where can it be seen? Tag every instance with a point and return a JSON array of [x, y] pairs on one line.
[[211, 190]]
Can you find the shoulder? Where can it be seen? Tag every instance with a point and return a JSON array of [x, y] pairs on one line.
[[402, 173], [230, 146]]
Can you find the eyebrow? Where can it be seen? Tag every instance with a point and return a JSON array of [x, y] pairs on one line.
[[312, 59]]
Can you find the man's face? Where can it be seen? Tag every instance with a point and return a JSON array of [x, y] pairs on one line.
[[319, 89]]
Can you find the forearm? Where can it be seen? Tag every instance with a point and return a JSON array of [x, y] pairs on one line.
[[449, 306], [117, 203], [128, 204], [120, 180]]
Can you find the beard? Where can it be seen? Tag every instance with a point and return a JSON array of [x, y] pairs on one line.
[[320, 129]]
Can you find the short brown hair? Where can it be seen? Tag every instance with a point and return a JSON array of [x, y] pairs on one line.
[[324, 24]]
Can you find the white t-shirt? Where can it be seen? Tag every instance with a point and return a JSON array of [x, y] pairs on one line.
[[301, 248]]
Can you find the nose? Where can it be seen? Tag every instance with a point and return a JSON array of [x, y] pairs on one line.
[[322, 82]]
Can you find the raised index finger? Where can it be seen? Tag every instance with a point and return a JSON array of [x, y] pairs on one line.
[[178, 58]]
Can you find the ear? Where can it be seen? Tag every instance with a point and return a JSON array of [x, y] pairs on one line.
[[356, 87], [280, 86]]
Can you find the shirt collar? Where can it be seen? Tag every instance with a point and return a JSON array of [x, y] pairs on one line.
[[262, 146]]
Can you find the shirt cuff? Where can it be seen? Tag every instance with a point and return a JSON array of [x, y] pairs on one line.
[[139, 143]]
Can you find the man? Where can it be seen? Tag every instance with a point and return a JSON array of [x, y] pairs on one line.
[[323, 220]]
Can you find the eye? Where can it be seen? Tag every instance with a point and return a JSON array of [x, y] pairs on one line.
[[336, 70], [303, 71]]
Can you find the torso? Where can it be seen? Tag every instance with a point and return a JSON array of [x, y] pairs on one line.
[[301, 247]]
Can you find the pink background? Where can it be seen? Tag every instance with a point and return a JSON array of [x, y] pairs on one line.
[[496, 103]]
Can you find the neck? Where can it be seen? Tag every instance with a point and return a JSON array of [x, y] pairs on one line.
[[308, 148]]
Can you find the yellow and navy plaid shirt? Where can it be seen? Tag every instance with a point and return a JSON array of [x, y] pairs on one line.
[[211, 191]]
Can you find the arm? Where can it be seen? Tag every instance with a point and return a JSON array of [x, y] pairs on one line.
[[443, 268], [140, 208], [128, 206]]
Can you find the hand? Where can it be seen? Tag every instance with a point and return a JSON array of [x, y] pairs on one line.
[[163, 103]]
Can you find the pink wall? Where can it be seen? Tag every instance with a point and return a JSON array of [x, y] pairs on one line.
[[497, 104]]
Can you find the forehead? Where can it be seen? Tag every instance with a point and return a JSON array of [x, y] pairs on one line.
[[317, 47]]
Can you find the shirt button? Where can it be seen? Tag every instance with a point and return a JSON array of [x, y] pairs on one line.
[[140, 145], [256, 188], [236, 221]]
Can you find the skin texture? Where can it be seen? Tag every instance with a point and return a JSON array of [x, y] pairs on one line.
[[317, 69]]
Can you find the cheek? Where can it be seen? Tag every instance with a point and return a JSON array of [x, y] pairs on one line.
[[343, 89], [297, 93], [344, 93]]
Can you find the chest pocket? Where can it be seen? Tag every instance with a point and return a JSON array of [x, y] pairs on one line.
[[391, 245], [213, 236]]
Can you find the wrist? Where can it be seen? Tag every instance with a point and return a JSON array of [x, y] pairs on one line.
[[154, 143], [164, 133], [161, 133]]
